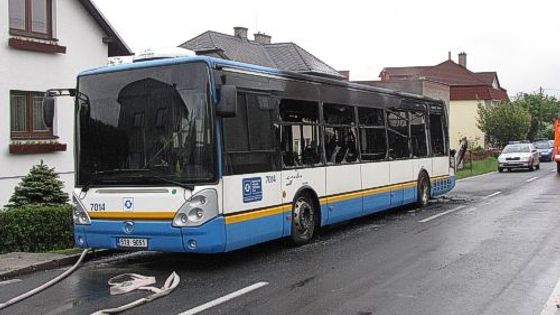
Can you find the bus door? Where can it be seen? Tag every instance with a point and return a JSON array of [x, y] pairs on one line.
[[251, 183]]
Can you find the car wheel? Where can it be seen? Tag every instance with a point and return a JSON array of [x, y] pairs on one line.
[[509, 169], [500, 169], [538, 166], [531, 167], [304, 220]]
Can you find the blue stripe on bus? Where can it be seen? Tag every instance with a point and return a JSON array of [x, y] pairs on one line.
[[377, 202], [216, 236], [340, 211], [210, 61], [161, 235], [251, 232]]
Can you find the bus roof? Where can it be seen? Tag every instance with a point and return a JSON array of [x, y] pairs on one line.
[[217, 63]]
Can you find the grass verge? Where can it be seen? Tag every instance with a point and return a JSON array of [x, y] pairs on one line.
[[68, 251], [478, 167]]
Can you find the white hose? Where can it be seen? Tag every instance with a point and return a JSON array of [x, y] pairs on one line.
[[46, 285], [170, 284]]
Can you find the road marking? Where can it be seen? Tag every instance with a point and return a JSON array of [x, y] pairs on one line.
[[224, 298], [471, 177], [531, 179], [9, 282], [428, 219], [551, 306], [492, 195]]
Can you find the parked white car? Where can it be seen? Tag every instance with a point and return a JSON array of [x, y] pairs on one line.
[[518, 155]]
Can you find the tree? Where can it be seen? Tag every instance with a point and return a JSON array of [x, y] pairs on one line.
[[41, 186], [543, 110], [503, 122]]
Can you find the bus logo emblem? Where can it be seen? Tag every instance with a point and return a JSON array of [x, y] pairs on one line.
[[128, 227], [128, 204]]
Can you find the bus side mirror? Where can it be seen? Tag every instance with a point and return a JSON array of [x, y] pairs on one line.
[[48, 110], [227, 106]]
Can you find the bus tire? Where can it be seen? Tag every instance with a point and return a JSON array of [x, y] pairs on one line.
[[304, 219], [423, 190]]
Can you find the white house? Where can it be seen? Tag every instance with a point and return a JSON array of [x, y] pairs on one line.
[[45, 44]]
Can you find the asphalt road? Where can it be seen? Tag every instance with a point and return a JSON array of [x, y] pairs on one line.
[[492, 246]]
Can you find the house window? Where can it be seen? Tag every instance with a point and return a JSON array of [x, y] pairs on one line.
[[26, 115], [31, 18]]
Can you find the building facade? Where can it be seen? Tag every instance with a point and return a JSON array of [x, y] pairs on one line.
[[46, 43], [465, 89]]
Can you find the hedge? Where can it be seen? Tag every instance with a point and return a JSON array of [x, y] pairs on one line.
[[36, 228]]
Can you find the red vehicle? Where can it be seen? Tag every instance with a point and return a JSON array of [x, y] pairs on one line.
[[557, 144]]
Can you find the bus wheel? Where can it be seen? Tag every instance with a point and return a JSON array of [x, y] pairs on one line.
[[304, 219], [423, 190]]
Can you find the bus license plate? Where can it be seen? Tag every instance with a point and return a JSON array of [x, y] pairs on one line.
[[133, 242]]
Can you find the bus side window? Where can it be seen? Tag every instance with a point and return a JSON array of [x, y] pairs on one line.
[[373, 138], [249, 137], [397, 131], [436, 134], [300, 138], [341, 143], [418, 134]]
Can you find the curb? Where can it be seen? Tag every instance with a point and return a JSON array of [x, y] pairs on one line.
[[56, 263]]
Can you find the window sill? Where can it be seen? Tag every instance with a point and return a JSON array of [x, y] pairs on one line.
[[45, 46], [36, 148]]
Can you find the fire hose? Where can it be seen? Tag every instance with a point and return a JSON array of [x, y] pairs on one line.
[[120, 284]]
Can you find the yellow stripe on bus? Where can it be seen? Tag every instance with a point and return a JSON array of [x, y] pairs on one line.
[[235, 218], [137, 215], [256, 214]]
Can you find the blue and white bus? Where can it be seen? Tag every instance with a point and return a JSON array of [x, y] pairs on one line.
[[204, 155]]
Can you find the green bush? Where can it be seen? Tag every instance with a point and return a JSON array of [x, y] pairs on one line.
[[36, 228], [42, 185]]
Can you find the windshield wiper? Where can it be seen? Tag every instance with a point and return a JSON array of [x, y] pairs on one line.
[[171, 181], [93, 178]]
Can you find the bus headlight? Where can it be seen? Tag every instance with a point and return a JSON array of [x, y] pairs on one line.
[[199, 209], [79, 215]]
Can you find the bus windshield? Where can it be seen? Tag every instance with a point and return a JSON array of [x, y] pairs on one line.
[[145, 126]]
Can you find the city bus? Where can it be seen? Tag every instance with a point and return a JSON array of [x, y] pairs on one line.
[[205, 155]]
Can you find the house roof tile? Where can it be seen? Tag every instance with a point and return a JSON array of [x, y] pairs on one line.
[[464, 84], [284, 56]]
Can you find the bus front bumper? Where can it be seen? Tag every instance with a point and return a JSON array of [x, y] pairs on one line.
[[158, 235]]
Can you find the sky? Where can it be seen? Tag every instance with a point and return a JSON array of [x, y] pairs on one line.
[[518, 39]]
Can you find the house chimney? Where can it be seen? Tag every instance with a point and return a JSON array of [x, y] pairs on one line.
[[262, 38], [463, 59], [449, 55], [240, 31], [345, 74]]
